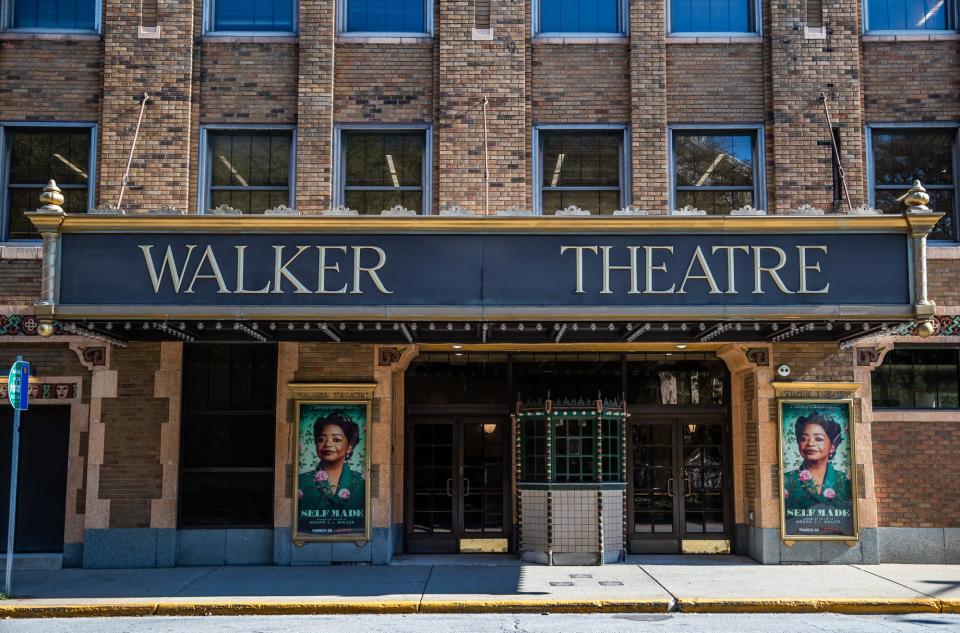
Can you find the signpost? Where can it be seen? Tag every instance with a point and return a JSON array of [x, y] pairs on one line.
[[18, 391]]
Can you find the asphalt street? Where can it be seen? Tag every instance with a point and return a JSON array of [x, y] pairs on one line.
[[596, 623]]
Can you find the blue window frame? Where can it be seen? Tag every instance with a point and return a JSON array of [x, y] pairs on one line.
[[717, 168], [386, 16], [580, 17], [910, 15], [251, 16], [714, 16], [52, 15], [586, 166], [35, 153], [928, 152]]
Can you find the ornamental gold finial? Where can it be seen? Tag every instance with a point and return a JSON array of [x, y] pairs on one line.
[[926, 328], [52, 198], [916, 199]]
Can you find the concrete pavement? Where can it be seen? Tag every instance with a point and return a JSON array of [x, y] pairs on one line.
[[647, 584]]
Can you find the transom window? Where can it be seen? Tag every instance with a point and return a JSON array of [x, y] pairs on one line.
[[249, 170], [714, 16], [36, 155], [916, 378], [580, 16], [382, 169], [53, 15], [900, 156], [265, 16], [715, 171], [911, 15], [583, 168], [386, 16]]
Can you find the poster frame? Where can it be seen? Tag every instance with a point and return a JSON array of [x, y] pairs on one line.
[[852, 471], [331, 395]]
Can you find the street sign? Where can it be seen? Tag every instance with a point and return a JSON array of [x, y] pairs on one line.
[[18, 384]]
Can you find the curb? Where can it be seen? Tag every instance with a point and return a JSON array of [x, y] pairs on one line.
[[850, 606]]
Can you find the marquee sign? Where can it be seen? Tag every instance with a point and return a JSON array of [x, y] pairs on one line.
[[320, 267]]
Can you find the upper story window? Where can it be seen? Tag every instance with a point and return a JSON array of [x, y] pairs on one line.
[[918, 378], [386, 16], [713, 16], [580, 17], [582, 167], [900, 155], [382, 168], [51, 15], [257, 16], [248, 169], [717, 170], [910, 15], [35, 155]]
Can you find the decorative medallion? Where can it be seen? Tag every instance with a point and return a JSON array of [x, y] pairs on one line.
[[398, 210], [688, 210], [340, 209], [282, 210], [224, 209]]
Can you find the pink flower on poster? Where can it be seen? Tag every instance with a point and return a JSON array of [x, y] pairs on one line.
[[805, 476], [321, 476], [829, 493], [344, 494]]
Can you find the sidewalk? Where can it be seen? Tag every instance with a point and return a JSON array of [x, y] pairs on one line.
[[423, 584]]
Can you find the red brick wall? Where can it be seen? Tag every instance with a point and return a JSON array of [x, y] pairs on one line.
[[916, 468], [248, 83], [943, 281], [43, 80], [580, 84], [715, 83], [384, 83], [19, 281], [335, 362], [911, 81], [131, 474], [818, 362]]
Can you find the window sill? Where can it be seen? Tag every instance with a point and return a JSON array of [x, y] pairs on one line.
[[408, 38], [235, 38], [579, 39], [911, 37], [916, 415], [26, 250], [50, 36], [711, 39]]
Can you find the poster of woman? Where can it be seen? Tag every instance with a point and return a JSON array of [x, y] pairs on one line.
[[816, 470], [331, 482]]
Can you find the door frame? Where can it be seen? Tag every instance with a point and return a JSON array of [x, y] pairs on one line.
[[456, 415], [675, 416]]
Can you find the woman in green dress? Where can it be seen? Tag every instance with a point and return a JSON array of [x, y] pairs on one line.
[[817, 483], [331, 496]]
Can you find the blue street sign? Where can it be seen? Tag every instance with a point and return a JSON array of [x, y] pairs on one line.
[[18, 385]]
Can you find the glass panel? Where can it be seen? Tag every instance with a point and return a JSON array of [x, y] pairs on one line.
[[664, 379], [37, 156], [256, 167], [579, 16], [902, 156], [229, 413], [715, 160], [712, 16], [902, 15], [918, 379], [55, 14], [383, 159], [432, 475], [253, 15], [386, 16]]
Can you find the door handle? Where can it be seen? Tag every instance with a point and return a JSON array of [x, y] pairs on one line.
[[450, 487], [687, 487], [466, 487], [670, 487]]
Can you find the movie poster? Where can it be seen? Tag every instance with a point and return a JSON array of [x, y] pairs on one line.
[[817, 470], [331, 476]]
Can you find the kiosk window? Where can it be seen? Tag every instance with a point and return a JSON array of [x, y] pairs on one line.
[[914, 378]]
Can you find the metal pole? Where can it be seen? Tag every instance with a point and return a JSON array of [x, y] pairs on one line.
[[836, 152], [486, 162], [12, 517], [133, 146]]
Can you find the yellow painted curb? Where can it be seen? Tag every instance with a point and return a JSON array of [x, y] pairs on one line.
[[949, 605], [326, 607], [853, 606], [122, 609], [545, 606]]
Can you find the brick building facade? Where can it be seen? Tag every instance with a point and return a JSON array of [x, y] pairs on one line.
[[324, 87]]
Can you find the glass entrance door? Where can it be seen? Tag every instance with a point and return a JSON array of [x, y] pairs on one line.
[[678, 494], [458, 499]]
